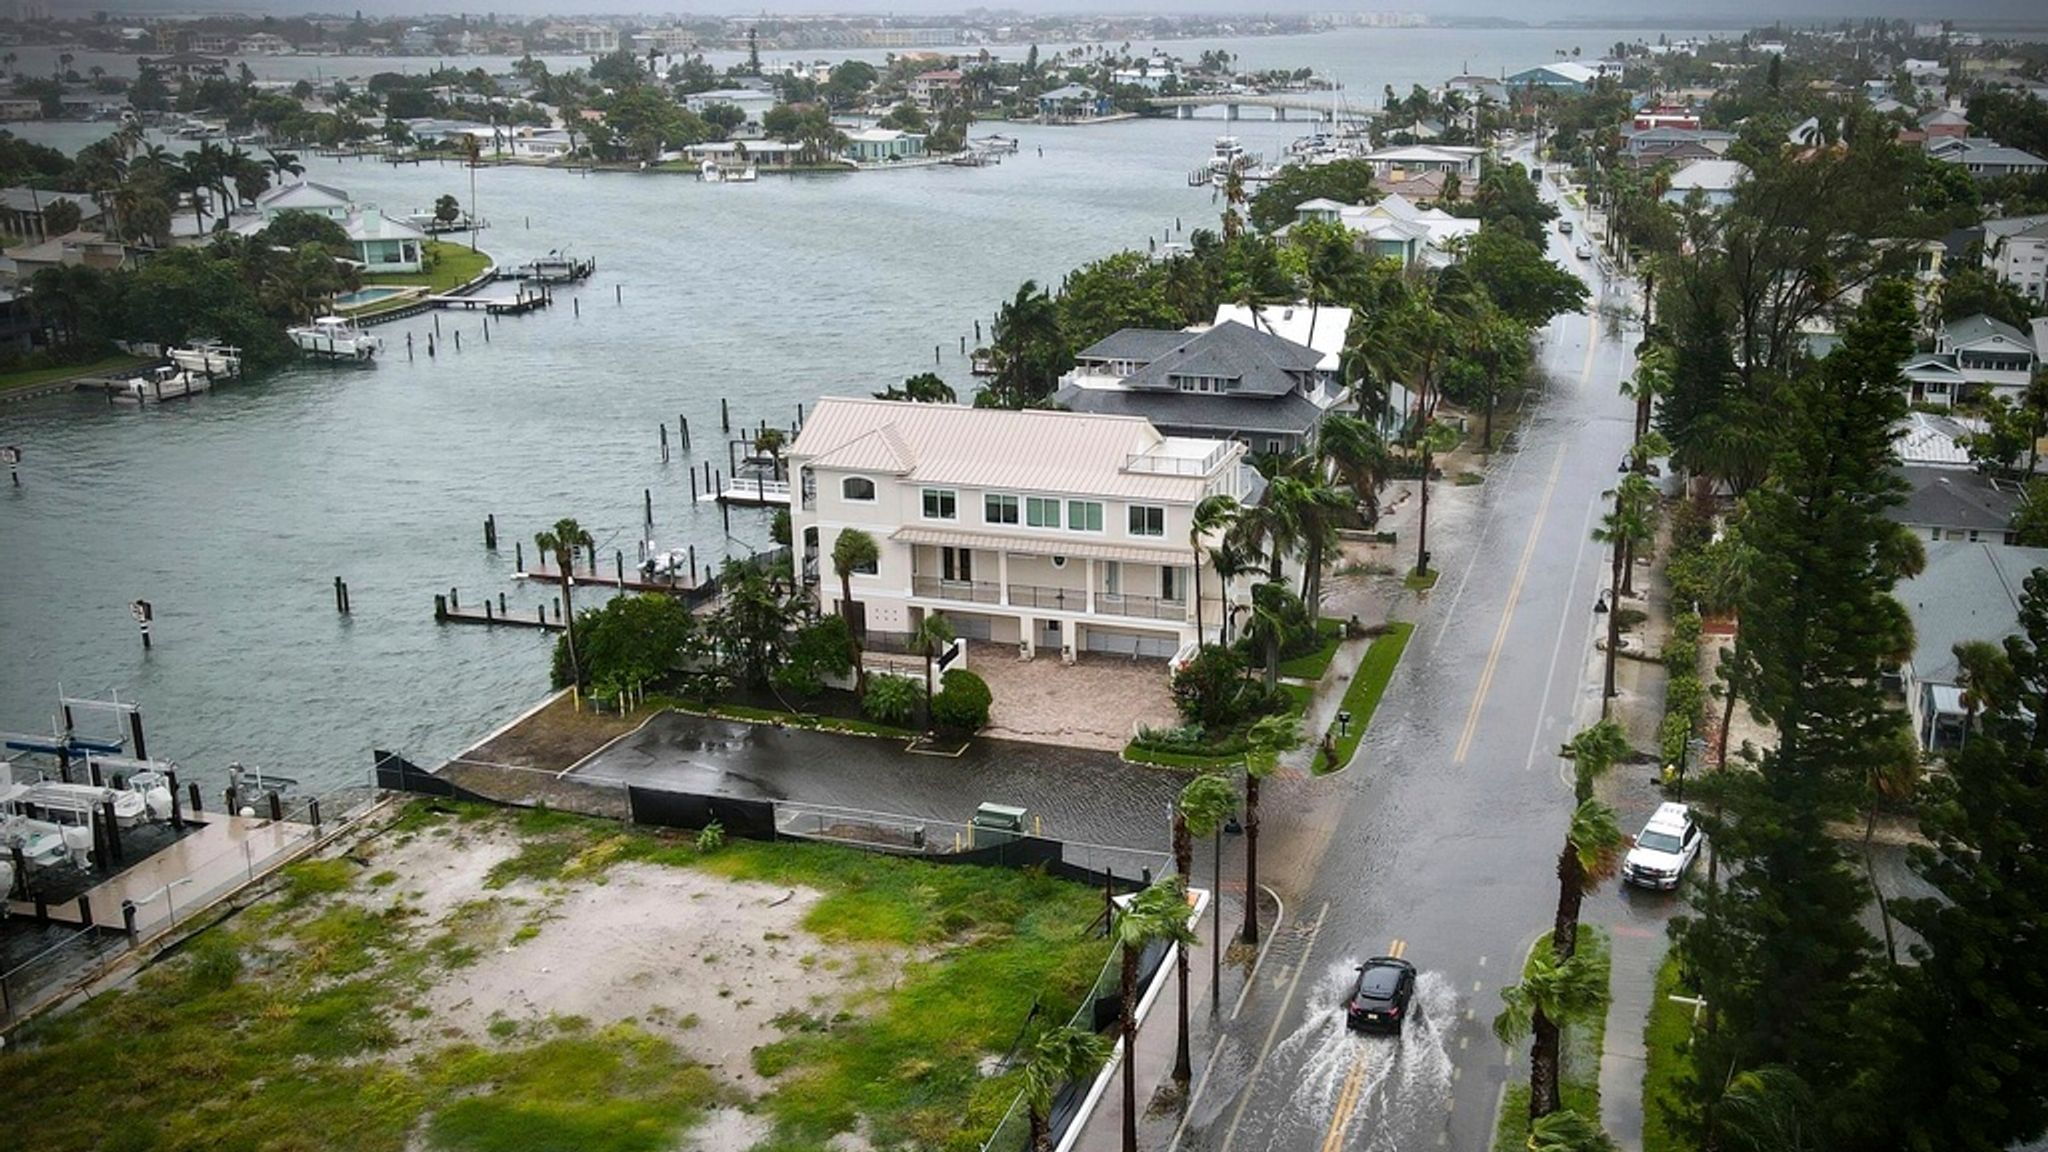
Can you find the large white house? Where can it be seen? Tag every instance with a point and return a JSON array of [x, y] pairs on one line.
[[2016, 251], [1972, 357], [1395, 228], [1047, 530]]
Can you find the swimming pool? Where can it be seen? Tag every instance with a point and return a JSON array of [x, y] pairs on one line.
[[363, 297]]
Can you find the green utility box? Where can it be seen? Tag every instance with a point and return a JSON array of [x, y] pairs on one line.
[[997, 824]]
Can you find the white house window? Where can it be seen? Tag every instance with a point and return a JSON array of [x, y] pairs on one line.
[[941, 504], [1041, 512], [1147, 521], [1169, 583], [1084, 516], [1059, 561], [857, 488], [999, 509]]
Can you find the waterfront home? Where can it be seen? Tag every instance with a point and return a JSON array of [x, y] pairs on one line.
[[21, 210], [188, 65], [1228, 381], [1072, 104], [1052, 531], [21, 108], [1966, 592], [2016, 251], [305, 196], [384, 244], [1477, 89], [543, 144], [1394, 228], [1714, 180], [928, 90], [1457, 160], [753, 102], [1972, 358], [1563, 76], [73, 249], [883, 145], [760, 153]]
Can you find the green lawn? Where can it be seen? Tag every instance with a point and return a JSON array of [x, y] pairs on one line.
[[1313, 665], [796, 719], [1583, 1040], [1420, 581], [280, 1027], [105, 366], [1362, 698], [1667, 1039], [449, 267]]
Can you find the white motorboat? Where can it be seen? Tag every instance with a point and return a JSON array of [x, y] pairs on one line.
[[206, 358], [41, 842], [1229, 157], [734, 172], [336, 339], [166, 383], [670, 564]]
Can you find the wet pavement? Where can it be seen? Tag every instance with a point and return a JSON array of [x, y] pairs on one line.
[[1439, 837], [1076, 795]]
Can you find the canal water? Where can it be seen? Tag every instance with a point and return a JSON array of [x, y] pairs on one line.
[[234, 512]]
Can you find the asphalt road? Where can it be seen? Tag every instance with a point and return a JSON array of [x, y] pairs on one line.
[[1438, 841]]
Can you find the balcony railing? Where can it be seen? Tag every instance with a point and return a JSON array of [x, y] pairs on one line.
[[1144, 607], [1057, 599], [972, 591]]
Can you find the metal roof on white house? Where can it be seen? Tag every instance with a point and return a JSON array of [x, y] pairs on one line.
[[1034, 450]]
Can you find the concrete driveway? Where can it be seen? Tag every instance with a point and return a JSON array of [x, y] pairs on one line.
[[1096, 702]]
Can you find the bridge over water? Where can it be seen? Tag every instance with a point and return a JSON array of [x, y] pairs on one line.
[[1317, 105]]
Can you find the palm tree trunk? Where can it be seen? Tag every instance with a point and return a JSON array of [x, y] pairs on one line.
[[1613, 629], [1543, 1064], [1628, 570], [1492, 398], [860, 672], [569, 627], [1312, 578], [1041, 1137], [1571, 896], [1127, 1023], [1200, 637], [1884, 911], [1250, 935], [1727, 719], [1422, 519], [1183, 864]]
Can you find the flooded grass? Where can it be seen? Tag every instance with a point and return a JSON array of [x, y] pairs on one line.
[[1368, 685], [1584, 1038], [309, 1021], [1667, 1044]]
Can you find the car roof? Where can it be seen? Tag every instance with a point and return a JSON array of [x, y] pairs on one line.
[[1388, 962], [1671, 816]]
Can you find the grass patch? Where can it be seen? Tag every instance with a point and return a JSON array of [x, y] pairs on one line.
[[32, 377], [1368, 685], [1468, 479], [755, 715], [265, 1028], [1667, 1041], [1137, 754], [1420, 581], [1583, 1039], [449, 266], [1314, 665]]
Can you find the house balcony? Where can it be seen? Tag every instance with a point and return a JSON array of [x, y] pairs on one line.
[[965, 591]]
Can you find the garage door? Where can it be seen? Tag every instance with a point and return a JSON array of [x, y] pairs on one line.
[[970, 627], [1148, 645]]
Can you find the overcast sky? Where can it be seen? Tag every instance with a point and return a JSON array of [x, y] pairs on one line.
[[1530, 11]]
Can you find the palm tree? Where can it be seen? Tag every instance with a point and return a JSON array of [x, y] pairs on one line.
[[1213, 514], [1592, 752], [1551, 990], [1358, 454], [853, 550], [1231, 559], [1268, 740], [1593, 848], [770, 441], [1273, 608], [1060, 1056], [1159, 912], [283, 164], [1200, 810], [1429, 335], [1627, 521], [561, 543], [1568, 1131], [1306, 500], [933, 634], [1652, 379], [1767, 1109]]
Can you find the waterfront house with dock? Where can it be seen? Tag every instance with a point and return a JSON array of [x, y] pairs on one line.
[[1046, 530], [883, 145]]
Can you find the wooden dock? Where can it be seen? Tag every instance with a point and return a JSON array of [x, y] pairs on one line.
[[515, 305], [758, 491], [445, 613], [623, 578]]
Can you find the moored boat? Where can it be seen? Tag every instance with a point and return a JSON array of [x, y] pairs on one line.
[[335, 338]]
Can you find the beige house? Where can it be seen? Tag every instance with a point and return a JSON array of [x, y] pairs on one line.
[[1047, 530]]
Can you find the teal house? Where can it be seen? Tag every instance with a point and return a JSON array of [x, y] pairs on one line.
[[883, 145]]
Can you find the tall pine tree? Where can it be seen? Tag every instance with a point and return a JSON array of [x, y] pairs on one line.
[[1971, 1055], [1778, 950]]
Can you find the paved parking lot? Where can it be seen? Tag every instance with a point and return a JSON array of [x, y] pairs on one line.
[[1097, 702]]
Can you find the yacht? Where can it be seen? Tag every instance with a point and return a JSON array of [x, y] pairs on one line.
[[166, 383], [713, 172], [1229, 156], [336, 339], [130, 808], [207, 358]]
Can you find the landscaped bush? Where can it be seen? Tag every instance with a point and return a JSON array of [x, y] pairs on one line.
[[891, 699], [962, 703], [820, 649], [1682, 650], [1208, 688], [631, 640]]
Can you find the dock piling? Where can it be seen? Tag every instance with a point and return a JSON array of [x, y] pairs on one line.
[[491, 531], [437, 323], [647, 505], [408, 346], [618, 293], [576, 304], [177, 809], [458, 339], [540, 612], [619, 567], [693, 485], [519, 556], [454, 600], [276, 806], [85, 904], [977, 331], [693, 565], [724, 414], [193, 790], [487, 610], [664, 443], [340, 598], [113, 834], [684, 421]]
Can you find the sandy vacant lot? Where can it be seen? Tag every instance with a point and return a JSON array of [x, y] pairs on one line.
[[1097, 702], [709, 962]]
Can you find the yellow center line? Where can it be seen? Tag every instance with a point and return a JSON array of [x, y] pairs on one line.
[[1507, 614], [1354, 1080]]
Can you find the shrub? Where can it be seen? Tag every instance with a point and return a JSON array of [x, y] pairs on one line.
[[962, 704], [891, 699], [711, 837], [1682, 650], [1207, 690], [820, 649], [630, 640]]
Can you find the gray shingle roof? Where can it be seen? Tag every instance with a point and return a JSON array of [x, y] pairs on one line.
[[1139, 344], [1971, 329], [1967, 592], [1255, 362], [1199, 413], [1954, 498]]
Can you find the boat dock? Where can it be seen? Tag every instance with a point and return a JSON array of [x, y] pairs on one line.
[[753, 491], [517, 304], [623, 578], [446, 612]]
